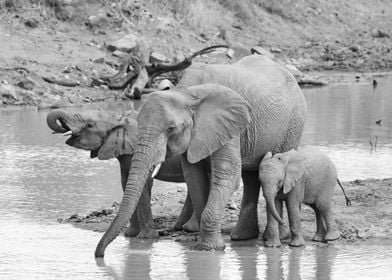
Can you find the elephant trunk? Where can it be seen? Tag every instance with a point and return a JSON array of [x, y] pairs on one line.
[[270, 201], [141, 166], [52, 118]]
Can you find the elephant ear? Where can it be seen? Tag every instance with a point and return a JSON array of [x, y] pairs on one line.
[[121, 140], [295, 170], [219, 114]]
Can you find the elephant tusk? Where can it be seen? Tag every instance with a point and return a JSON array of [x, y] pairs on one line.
[[68, 133], [156, 170]]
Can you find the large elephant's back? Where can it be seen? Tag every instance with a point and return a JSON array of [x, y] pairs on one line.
[[273, 95]]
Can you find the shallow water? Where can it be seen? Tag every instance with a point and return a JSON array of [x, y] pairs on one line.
[[42, 179]]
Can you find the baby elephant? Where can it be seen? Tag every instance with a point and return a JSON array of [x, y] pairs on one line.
[[306, 176]]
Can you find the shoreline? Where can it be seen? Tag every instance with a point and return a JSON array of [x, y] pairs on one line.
[[368, 221]]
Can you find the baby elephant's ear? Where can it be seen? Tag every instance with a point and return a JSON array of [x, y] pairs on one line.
[[295, 170], [120, 141]]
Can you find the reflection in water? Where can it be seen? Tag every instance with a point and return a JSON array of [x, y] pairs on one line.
[[42, 179]]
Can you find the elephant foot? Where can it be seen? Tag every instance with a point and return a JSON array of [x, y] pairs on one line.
[[244, 231], [192, 225], [284, 232], [332, 235], [132, 231], [318, 237], [148, 233], [272, 243], [210, 241], [297, 242]]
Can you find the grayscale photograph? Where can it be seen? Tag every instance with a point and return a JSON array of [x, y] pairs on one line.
[[195, 139]]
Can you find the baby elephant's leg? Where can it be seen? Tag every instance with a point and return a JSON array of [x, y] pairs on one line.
[[332, 232], [321, 228], [294, 213]]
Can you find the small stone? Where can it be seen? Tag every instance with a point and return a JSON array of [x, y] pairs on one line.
[[26, 84], [275, 50], [99, 60], [261, 51], [156, 57], [230, 53], [98, 21], [165, 84], [120, 54], [125, 44], [8, 91], [379, 33], [32, 23]]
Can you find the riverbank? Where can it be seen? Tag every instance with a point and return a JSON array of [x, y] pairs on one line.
[[51, 53], [367, 221]]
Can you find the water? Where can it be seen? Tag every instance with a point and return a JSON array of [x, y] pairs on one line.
[[42, 179]]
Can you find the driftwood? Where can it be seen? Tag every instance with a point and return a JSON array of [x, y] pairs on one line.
[[134, 75], [64, 83]]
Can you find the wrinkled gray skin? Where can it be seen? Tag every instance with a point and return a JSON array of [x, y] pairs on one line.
[[108, 135], [221, 120], [307, 176]]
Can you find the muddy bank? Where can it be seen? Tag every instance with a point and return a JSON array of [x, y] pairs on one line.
[[367, 221], [72, 41]]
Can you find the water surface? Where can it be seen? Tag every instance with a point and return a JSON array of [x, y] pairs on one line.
[[42, 179]]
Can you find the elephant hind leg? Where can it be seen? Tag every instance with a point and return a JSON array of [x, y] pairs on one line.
[[185, 215], [332, 232], [247, 226], [320, 225]]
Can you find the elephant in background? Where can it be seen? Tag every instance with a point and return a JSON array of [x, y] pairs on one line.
[[306, 176], [221, 120], [111, 135]]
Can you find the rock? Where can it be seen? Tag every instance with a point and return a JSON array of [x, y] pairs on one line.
[[26, 84], [261, 51], [125, 44], [98, 21], [379, 33], [32, 23], [8, 91], [120, 54], [275, 50], [165, 84], [156, 57], [99, 60], [230, 53], [240, 50]]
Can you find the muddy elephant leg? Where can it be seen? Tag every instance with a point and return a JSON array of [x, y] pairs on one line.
[[197, 181], [144, 213], [247, 226], [271, 233], [294, 214], [332, 232], [186, 214], [320, 225]]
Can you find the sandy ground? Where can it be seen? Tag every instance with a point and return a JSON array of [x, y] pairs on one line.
[[367, 221]]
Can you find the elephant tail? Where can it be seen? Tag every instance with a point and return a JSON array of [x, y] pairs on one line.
[[348, 201]]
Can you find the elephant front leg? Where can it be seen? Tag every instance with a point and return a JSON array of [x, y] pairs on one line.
[[247, 226], [225, 169], [294, 213], [144, 213]]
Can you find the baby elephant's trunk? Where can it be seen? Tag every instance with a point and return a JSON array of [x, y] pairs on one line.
[[270, 201]]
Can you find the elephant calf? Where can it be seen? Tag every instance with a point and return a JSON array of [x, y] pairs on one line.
[[306, 176]]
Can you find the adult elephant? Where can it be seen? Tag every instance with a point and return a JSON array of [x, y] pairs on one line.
[[110, 135], [220, 119]]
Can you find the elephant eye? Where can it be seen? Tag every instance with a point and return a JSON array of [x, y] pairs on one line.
[[89, 125], [171, 129]]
